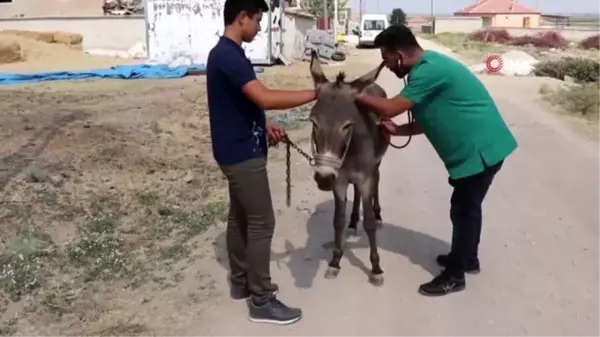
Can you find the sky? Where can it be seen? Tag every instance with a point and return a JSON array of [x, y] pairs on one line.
[[449, 6]]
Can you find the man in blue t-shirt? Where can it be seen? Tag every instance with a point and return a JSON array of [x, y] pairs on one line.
[[239, 132]]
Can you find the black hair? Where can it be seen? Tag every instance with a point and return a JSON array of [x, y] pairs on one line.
[[396, 37], [233, 8]]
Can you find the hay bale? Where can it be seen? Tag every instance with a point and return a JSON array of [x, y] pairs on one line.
[[10, 52], [38, 36], [68, 39]]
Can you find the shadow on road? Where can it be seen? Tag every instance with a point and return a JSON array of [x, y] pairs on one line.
[[304, 262]]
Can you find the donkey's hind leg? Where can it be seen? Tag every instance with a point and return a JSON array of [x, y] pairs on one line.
[[370, 225], [339, 224], [355, 216], [376, 205]]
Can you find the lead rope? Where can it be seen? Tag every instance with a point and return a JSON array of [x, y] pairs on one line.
[[411, 127], [288, 166]]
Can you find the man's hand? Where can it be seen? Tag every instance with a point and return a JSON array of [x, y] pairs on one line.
[[275, 133], [407, 129], [390, 126]]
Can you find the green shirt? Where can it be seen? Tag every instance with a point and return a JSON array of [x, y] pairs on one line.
[[458, 115]]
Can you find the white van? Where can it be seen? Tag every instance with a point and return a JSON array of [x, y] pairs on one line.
[[370, 26]]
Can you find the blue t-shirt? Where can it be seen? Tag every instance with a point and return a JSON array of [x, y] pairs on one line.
[[237, 125]]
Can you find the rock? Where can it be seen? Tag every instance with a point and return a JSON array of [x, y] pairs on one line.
[[517, 63], [189, 177], [569, 79]]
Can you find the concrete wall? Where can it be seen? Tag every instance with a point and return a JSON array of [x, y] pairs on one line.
[[457, 24], [123, 32], [37, 8], [516, 20], [294, 34], [101, 32]]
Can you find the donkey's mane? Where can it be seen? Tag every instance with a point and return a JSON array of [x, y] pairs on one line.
[[340, 78]]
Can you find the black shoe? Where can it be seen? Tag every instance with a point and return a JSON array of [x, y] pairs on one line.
[[472, 268], [239, 294], [273, 311], [443, 284]]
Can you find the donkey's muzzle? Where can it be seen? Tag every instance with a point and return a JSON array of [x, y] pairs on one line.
[[325, 180]]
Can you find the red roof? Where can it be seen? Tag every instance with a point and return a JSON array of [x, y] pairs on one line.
[[497, 7]]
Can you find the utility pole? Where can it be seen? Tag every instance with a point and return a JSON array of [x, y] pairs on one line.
[[335, 18], [360, 28], [431, 19], [325, 16]]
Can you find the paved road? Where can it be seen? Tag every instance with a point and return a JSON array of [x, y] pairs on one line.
[[539, 249]]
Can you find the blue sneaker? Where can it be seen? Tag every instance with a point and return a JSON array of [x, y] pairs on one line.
[[274, 312]]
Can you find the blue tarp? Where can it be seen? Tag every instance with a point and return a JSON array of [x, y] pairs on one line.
[[123, 72]]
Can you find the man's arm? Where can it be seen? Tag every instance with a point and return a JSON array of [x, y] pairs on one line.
[[425, 81], [386, 107], [269, 99], [242, 76]]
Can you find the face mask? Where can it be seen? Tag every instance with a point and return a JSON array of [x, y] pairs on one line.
[[401, 70]]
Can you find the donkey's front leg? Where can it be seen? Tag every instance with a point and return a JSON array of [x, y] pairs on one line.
[[355, 216], [370, 225], [339, 195]]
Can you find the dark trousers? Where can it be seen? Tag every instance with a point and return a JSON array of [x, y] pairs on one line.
[[250, 227], [466, 216]]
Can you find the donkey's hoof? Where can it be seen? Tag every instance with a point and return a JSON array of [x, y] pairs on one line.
[[332, 272], [376, 280]]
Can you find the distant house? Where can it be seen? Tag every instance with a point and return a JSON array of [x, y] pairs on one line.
[[416, 23], [503, 13]]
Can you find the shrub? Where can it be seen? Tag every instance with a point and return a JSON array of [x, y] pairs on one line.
[[491, 35], [592, 42], [581, 99], [580, 69], [542, 40]]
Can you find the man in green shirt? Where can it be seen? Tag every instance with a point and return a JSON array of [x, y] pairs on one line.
[[459, 117]]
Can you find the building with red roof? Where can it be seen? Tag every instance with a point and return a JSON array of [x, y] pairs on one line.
[[503, 13]]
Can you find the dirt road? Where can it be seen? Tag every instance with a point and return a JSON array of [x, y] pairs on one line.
[[539, 248]]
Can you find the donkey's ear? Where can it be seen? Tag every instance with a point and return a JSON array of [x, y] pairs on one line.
[[316, 71], [367, 79]]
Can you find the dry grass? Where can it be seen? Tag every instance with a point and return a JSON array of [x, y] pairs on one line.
[[10, 52], [105, 184], [579, 99], [41, 56], [68, 39]]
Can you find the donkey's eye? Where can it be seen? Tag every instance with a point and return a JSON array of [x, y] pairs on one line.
[[347, 126]]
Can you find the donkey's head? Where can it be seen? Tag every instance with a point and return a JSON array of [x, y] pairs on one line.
[[333, 117]]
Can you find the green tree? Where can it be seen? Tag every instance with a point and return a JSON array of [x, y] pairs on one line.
[[315, 7], [398, 17]]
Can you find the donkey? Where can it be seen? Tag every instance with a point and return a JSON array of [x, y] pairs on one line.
[[348, 147]]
